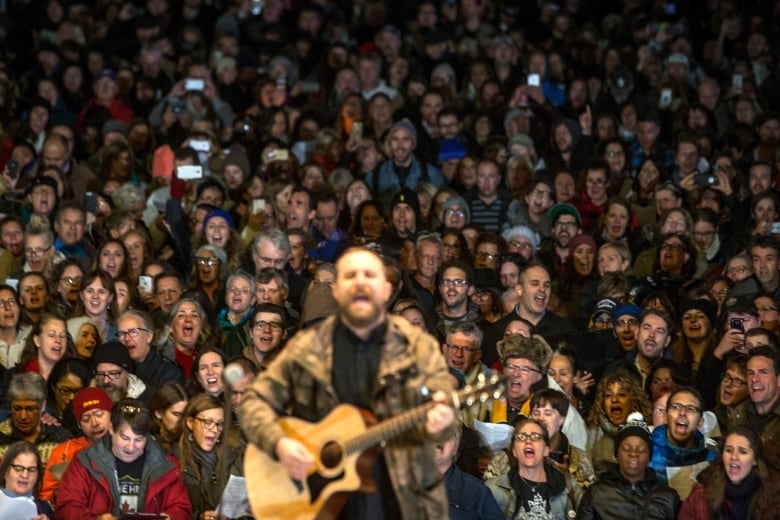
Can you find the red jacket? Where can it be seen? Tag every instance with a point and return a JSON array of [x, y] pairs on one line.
[[87, 489]]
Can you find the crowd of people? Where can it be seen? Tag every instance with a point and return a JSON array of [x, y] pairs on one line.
[[346, 201]]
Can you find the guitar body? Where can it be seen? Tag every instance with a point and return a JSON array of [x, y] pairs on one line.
[[344, 446], [334, 475]]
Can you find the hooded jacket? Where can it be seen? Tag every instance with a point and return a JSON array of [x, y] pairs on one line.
[[89, 489]]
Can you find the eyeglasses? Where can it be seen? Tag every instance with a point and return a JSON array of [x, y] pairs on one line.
[[524, 371], [728, 380], [9, 302], [455, 349], [738, 269], [759, 309], [542, 194], [615, 153], [533, 436], [620, 324], [211, 424], [521, 245], [275, 325], [36, 251], [65, 391], [455, 212], [130, 333], [489, 256], [276, 262], [239, 290], [21, 469], [457, 282], [602, 321], [202, 260], [571, 226], [688, 408], [111, 374], [72, 280]]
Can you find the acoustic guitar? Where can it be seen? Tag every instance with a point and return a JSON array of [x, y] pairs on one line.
[[344, 448]]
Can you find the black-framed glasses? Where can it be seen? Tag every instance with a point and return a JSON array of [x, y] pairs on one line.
[[130, 333], [10, 303], [455, 282], [66, 391], [455, 349], [274, 325], [533, 436], [36, 251], [688, 408], [72, 280], [485, 254], [522, 370], [111, 374], [211, 424], [737, 382], [21, 469]]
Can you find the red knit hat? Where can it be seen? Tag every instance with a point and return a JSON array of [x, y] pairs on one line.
[[90, 398]]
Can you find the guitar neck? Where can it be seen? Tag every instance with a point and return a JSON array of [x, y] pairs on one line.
[[407, 420]]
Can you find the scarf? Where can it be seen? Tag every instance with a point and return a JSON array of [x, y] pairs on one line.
[[738, 496]]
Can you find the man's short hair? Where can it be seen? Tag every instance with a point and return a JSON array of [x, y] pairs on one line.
[[555, 398], [142, 316], [278, 239], [267, 274], [269, 308], [660, 314], [468, 327], [27, 385], [765, 241], [459, 264], [688, 390], [767, 352], [167, 274]]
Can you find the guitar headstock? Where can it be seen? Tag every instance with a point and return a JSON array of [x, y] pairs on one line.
[[483, 390]]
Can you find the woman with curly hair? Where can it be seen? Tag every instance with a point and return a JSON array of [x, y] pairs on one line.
[[738, 484], [617, 395]]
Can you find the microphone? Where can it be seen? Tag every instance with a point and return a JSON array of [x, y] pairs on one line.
[[233, 373]]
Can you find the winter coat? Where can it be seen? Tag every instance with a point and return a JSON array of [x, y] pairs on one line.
[[469, 498], [612, 497], [300, 382], [89, 489]]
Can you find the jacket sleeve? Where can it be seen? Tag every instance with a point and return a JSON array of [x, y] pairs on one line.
[[586, 510], [175, 502], [695, 506], [263, 402], [75, 499]]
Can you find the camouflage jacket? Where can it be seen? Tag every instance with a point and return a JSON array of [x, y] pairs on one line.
[[299, 383]]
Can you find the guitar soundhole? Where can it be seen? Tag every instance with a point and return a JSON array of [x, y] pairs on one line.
[[331, 455]]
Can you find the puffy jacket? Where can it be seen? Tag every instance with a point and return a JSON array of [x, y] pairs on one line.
[[612, 497], [88, 488]]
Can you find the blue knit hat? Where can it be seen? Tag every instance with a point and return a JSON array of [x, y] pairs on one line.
[[218, 213]]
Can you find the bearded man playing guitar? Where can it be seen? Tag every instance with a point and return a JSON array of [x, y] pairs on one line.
[[370, 360]]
